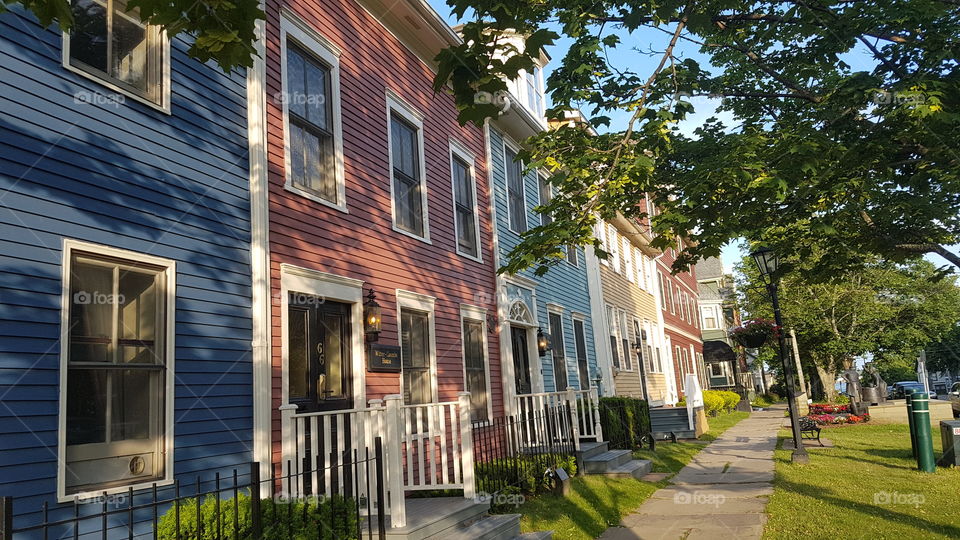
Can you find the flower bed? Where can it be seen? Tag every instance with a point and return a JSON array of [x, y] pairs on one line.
[[828, 408], [831, 419]]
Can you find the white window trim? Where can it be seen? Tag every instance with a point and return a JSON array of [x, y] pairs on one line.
[[330, 287], [458, 149], [506, 184], [576, 316], [423, 303], [477, 314], [69, 245], [543, 176], [311, 40], [558, 310], [396, 105], [163, 106]]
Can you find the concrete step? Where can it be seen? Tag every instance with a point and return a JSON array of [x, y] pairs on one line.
[[430, 516], [680, 433], [495, 527], [539, 535], [635, 468], [590, 449], [602, 463]]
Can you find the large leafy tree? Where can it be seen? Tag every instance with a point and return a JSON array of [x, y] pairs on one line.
[[223, 30], [888, 311], [944, 354], [847, 134]]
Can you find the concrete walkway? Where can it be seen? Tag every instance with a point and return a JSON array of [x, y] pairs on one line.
[[721, 494]]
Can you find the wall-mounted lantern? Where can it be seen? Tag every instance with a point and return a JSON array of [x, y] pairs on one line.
[[371, 317], [543, 342], [638, 346]]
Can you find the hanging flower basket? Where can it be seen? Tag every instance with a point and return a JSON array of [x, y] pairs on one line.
[[755, 332]]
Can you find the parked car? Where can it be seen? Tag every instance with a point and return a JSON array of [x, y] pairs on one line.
[[898, 390], [954, 397]]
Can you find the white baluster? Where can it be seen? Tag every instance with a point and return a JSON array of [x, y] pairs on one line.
[[466, 445], [392, 421], [288, 444]]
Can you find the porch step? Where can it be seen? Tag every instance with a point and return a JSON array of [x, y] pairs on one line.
[[603, 462], [539, 535], [684, 433], [495, 527], [590, 449], [635, 468], [430, 516]]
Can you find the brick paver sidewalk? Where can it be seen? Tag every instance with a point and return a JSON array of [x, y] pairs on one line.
[[721, 494]]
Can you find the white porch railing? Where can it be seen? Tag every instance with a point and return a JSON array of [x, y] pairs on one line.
[[425, 447], [584, 422]]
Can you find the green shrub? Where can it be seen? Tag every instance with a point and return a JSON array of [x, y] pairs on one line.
[[730, 400], [841, 399], [522, 474], [712, 402], [332, 517], [625, 421]]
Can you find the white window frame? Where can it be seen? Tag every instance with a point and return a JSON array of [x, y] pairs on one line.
[[396, 105], [623, 333], [574, 317], [506, 185], [615, 245], [459, 151], [613, 331], [69, 246], [543, 177], [476, 314], [425, 304], [558, 311], [292, 27], [164, 103]]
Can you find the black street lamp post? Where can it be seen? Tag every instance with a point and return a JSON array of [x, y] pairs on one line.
[[767, 263]]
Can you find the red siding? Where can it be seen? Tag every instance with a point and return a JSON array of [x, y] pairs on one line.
[[682, 331], [362, 244]]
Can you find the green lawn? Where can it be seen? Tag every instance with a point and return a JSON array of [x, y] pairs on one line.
[[597, 502], [865, 487], [594, 504], [671, 457]]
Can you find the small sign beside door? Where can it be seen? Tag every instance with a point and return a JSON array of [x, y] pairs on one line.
[[384, 358]]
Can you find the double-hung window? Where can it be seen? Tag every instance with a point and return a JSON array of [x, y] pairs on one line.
[[415, 356], [546, 195], [612, 324], [475, 364], [580, 344], [308, 90], [558, 352], [516, 202], [116, 369], [465, 207], [112, 44], [625, 341], [408, 195], [572, 256]]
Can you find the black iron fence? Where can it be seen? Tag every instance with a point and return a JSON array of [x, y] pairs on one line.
[[234, 506], [517, 454]]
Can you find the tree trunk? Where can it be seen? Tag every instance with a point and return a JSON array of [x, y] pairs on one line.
[[828, 382]]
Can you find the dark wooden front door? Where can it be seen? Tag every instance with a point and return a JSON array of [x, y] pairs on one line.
[[318, 338], [521, 359]]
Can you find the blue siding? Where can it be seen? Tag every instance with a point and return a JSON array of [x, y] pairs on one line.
[[127, 176], [564, 285]]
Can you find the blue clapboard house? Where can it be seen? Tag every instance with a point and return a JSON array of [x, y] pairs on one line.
[[125, 288], [557, 304]]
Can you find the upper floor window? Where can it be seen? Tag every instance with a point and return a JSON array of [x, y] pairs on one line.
[[546, 195], [465, 207], [535, 91], [110, 43], [408, 182], [516, 202], [709, 317], [311, 116], [572, 255]]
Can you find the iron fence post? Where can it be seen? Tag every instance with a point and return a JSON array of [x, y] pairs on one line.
[[6, 518], [256, 519]]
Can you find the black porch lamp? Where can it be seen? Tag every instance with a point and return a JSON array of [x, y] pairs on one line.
[[638, 345], [371, 317], [543, 342], [768, 263]]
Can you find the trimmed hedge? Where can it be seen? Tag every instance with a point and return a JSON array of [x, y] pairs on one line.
[[625, 421], [716, 401]]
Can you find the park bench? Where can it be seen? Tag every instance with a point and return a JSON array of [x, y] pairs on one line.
[[810, 430]]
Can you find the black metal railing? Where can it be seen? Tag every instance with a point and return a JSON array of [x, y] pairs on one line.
[[518, 453], [233, 506]]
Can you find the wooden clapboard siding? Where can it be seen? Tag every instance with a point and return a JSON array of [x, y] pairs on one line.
[[564, 284], [131, 177], [682, 331], [361, 244]]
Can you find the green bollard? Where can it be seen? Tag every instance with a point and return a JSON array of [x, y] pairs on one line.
[[913, 429], [921, 423]]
